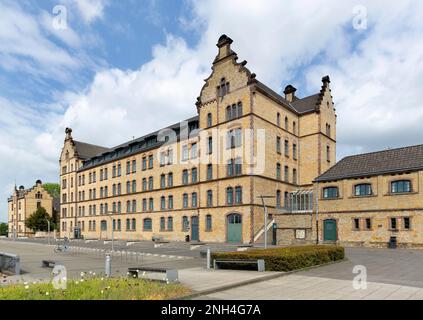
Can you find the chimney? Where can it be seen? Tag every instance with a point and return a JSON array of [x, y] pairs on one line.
[[224, 45], [68, 132], [290, 93], [38, 182]]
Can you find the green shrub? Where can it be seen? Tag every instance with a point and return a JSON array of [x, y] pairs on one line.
[[287, 259]]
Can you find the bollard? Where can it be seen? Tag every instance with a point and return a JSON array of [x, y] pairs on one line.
[[108, 266], [208, 258]]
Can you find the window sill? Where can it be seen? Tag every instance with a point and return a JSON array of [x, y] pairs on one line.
[[364, 196], [329, 199], [400, 193]]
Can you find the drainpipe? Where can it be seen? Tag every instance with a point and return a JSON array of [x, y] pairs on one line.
[[317, 213]]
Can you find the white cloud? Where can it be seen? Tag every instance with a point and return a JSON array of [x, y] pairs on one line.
[[24, 46], [90, 10]]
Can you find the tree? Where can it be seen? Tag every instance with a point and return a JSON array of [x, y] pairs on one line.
[[38, 221], [53, 189], [3, 229]]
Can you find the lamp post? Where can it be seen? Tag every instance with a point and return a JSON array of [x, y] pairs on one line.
[[48, 231], [265, 217], [113, 230]]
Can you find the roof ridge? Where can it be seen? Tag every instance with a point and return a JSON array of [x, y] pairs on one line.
[[382, 151]]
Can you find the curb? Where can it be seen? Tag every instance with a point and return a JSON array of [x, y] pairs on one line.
[[251, 281]]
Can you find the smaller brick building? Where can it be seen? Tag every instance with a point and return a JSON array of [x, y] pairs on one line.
[[367, 199], [25, 202]]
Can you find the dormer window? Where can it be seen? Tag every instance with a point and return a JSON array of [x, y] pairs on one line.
[[223, 88]]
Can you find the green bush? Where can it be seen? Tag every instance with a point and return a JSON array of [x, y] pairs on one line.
[[287, 259]]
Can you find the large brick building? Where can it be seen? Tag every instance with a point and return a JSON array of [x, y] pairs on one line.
[[24, 202], [204, 178]]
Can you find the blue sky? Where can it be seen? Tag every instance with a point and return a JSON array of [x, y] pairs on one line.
[[118, 62]]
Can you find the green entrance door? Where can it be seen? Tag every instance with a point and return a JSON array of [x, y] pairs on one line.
[[234, 228], [329, 230], [194, 228]]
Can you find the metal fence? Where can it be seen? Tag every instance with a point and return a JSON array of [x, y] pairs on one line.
[[10, 263]]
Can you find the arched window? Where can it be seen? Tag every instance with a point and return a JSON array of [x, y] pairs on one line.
[[128, 224], [162, 203], [194, 199], [185, 200], [170, 223], [185, 223], [209, 198], [134, 224], [209, 120], [278, 198], [278, 119], [208, 223], [147, 224], [162, 224], [286, 123], [134, 206], [128, 206], [229, 195], [238, 195]]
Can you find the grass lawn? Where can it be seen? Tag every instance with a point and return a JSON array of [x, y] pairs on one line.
[[95, 289]]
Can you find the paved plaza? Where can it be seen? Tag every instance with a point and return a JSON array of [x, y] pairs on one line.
[[391, 274]]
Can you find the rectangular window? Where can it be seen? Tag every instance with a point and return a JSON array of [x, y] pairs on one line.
[[150, 162], [170, 202], [170, 180], [134, 166], [162, 181], [194, 200], [162, 224], [330, 193], [406, 223], [393, 224], [144, 163], [209, 145], [294, 151], [194, 175], [356, 224], [286, 175], [286, 148], [185, 177], [209, 198], [363, 190], [278, 171], [185, 154], [194, 151], [208, 223], [209, 172], [368, 224], [401, 186], [128, 167], [278, 145]]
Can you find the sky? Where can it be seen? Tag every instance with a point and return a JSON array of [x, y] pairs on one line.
[[105, 68]]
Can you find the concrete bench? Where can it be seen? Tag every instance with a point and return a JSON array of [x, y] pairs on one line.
[[258, 262], [171, 275], [49, 263]]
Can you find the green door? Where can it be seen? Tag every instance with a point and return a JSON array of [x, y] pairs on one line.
[[194, 228], [329, 230], [234, 228]]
